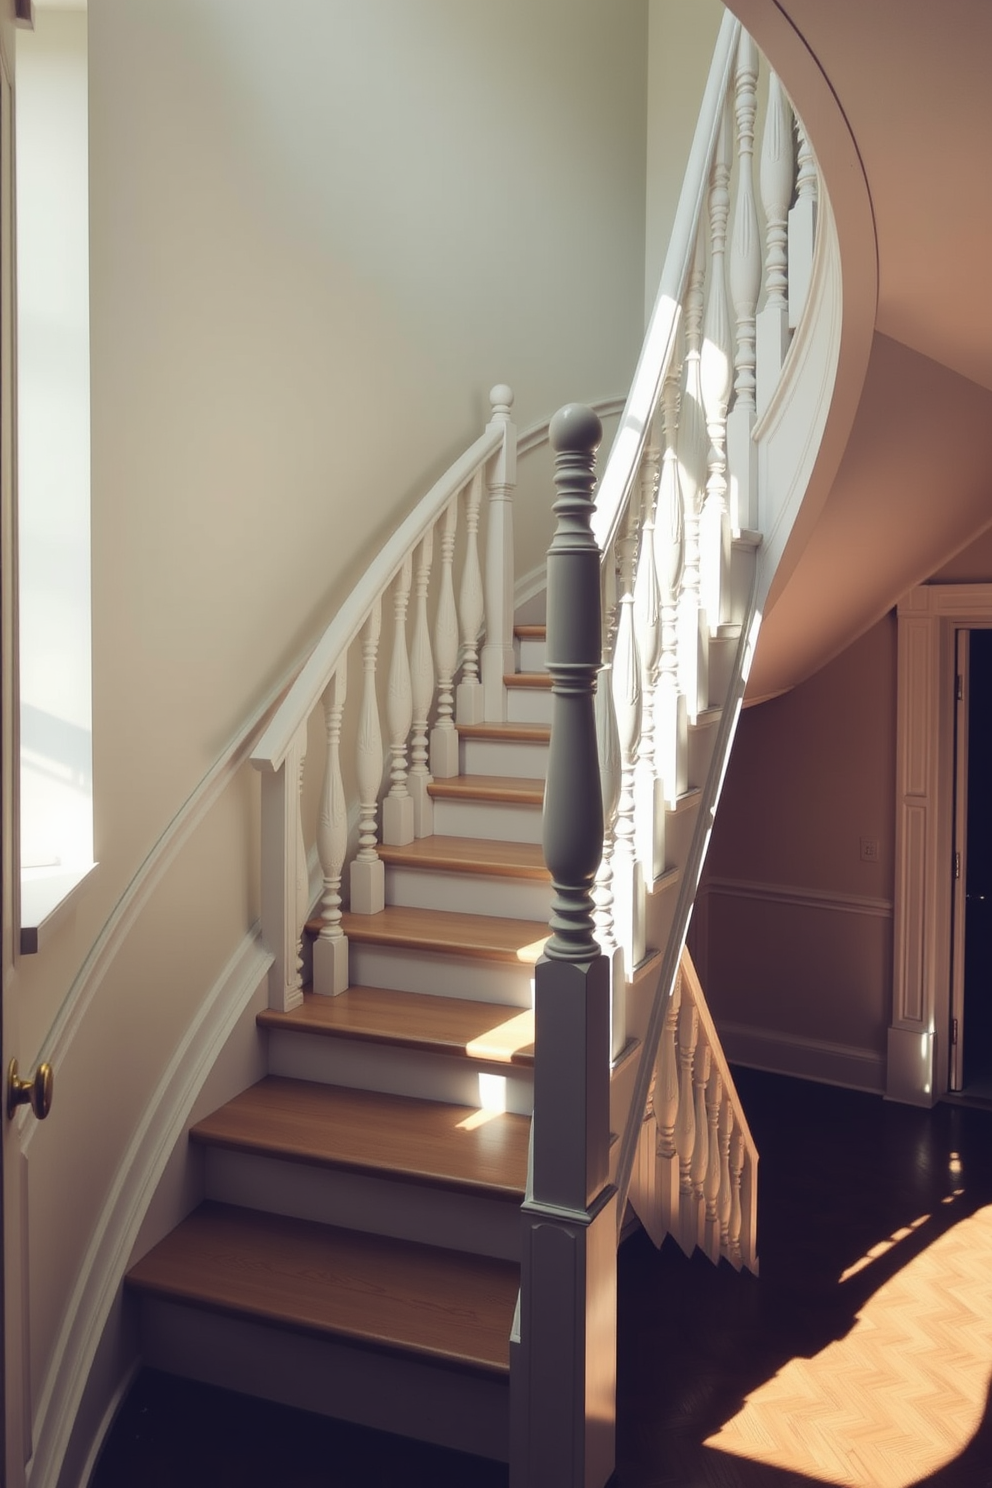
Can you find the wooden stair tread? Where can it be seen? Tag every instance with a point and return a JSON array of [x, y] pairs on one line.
[[528, 679], [441, 1025], [471, 855], [531, 632], [485, 937], [367, 1131], [439, 1305], [506, 788], [520, 733]]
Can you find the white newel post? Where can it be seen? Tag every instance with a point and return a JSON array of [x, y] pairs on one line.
[[285, 885], [368, 875], [330, 950], [715, 366], [422, 690], [802, 227], [776, 175], [468, 697], [563, 1365], [692, 449], [444, 737], [397, 808], [497, 653], [745, 285], [670, 740]]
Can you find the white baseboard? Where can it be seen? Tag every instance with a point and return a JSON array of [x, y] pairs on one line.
[[780, 1053]]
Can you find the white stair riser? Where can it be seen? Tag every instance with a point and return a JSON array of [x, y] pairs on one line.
[[510, 757], [495, 821], [530, 653], [464, 1411], [528, 705], [469, 893], [723, 651], [422, 1074], [355, 1201], [445, 975]]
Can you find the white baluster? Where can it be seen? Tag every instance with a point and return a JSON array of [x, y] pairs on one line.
[[368, 884], [627, 874], [725, 1200], [330, 950], [802, 227], [444, 737], [776, 176], [749, 1212], [468, 698], [666, 1109], [422, 689], [745, 284], [693, 445], [285, 885], [649, 815], [397, 808], [497, 654], [711, 1183], [700, 1150], [608, 748], [670, 743], [685, 1124], [716, 360], [736, 1166]]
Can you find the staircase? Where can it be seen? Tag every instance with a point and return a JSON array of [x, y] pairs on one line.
[[412, 1221]]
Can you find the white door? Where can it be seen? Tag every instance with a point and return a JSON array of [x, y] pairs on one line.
[[960, 863]]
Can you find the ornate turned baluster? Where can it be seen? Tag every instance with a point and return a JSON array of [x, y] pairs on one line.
[[569, 1217], [745, 284], [716, 360], [700, 1150], [444, 737], [692, 446], [776, 176], [608, 750], [330, 951], [711, 1183], [468, 698], [368, 885], [285, 882], [685, 1124], [397, 808], [649, 814], [736, 1167], [669, 547], [725, 1200], [627, 875], [666, 1110], [802, 227], [422, 688], [497, 653]]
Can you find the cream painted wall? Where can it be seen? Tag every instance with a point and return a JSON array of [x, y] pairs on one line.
[[315, 243], [798, 927]]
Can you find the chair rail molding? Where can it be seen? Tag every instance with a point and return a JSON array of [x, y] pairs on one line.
[[928, 617]]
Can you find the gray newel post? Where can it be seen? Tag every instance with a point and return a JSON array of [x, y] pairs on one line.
[[563, 1371]]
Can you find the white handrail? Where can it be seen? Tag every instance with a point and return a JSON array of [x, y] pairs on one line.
[[659, 341], [271, 751]]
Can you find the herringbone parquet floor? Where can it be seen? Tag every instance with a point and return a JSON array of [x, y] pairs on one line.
[[862, 1357]]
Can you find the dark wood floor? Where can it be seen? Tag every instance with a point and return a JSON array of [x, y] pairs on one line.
[[862, 1356]]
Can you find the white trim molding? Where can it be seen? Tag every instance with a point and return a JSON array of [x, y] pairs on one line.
[[826, 899], [828, 1063], [928, 617]]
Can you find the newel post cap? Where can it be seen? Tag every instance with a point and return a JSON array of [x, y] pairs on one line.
[[575, 429]]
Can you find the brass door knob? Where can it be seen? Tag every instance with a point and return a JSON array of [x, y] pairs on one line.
[[37, 1092]]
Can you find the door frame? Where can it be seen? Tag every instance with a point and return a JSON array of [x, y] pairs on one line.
[[928, 617]]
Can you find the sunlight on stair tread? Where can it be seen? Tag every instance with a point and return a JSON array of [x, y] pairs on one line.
[[903, 1392], [500, 1043]]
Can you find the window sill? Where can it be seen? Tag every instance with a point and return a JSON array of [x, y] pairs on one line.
[[47, 897]]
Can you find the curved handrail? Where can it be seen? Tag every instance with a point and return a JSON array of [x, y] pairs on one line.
[[659, 341], [273, 747]]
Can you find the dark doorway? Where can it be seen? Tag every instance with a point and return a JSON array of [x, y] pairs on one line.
[[977, 1021]]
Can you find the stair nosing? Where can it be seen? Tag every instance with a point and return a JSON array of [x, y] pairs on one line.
[[438, 930], [450, 856], [507, 789]]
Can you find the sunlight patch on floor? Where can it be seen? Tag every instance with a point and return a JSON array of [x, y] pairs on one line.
[[902, 1394]]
